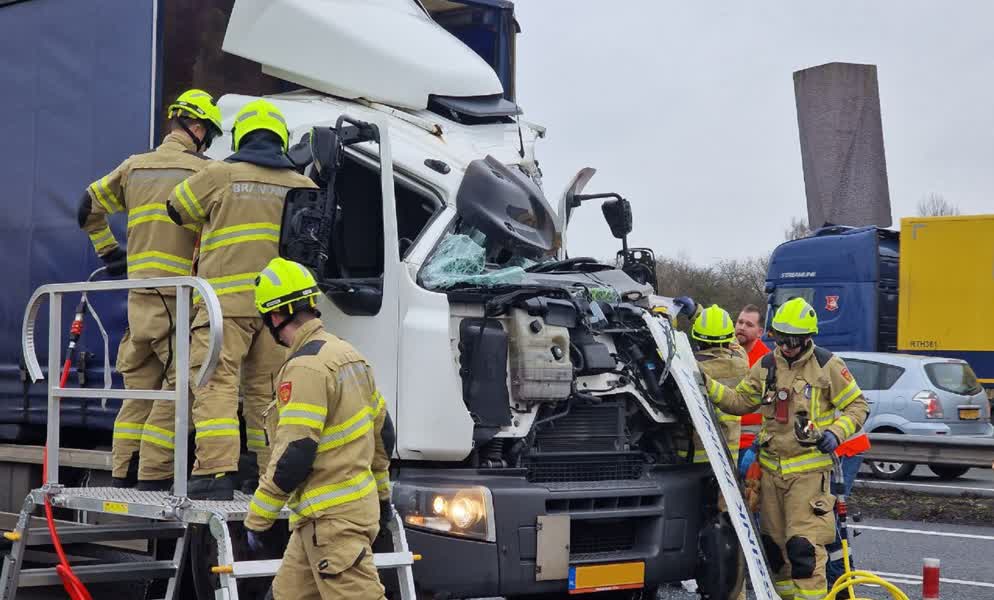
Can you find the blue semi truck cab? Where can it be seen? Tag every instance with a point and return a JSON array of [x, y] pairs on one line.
[[850, 276], [865, 289]]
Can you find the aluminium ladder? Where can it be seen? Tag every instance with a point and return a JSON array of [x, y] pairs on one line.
[[157, 515]]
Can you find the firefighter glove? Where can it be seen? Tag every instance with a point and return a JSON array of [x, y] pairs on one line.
[[386, 513], [116, 261], [261, 542], [828, 442], [685, 306]]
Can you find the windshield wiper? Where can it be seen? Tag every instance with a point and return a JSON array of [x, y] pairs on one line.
[[567, 263]]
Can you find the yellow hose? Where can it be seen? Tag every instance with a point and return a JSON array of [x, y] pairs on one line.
[[850, 579]]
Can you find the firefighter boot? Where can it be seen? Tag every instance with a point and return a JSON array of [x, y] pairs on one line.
[[155, 485], [219, 486], [130, 477]]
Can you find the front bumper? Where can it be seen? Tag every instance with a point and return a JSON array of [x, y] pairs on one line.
[[655, 519]]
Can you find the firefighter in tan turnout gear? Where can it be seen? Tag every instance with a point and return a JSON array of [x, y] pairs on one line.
[[331, 448], [796, 384], [719, 357], [239, 202], [156, 248]]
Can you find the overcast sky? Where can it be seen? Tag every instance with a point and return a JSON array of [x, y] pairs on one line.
[[687, 109]]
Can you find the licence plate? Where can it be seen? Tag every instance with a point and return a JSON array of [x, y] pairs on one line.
[[603, 578], [969, 413]]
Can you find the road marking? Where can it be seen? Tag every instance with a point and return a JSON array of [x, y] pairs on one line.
[[970, 536], [929, 485], [916, 579]]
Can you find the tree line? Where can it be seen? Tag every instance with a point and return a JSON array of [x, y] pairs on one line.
[[735, 283]]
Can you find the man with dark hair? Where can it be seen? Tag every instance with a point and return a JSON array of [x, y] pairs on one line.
[[143, 442]]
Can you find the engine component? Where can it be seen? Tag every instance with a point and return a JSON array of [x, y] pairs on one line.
[[591, 357], [541, 368], [483, 368], [557, 312]]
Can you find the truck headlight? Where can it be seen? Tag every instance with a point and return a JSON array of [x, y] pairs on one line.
[[452, 510]]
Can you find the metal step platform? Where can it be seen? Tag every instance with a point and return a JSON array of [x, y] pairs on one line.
[[148, 505], [158, 516]]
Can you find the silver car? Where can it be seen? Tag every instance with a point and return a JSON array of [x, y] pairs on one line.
[[919, 395]]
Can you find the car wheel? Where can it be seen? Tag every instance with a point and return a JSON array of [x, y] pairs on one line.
[[891, 471], [948, 471]]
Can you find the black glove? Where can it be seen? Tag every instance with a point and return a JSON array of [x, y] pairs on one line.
[[685, 306], [256, 541], [116, 261], [263, 542], [828, 442], [386, 514]]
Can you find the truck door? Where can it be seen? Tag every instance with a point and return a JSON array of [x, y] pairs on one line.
[[360, 279]]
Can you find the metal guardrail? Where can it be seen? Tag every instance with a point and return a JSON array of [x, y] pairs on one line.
[[962, 451], [180, 395]]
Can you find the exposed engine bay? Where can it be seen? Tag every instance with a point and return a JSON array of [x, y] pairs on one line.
[[566, 363]]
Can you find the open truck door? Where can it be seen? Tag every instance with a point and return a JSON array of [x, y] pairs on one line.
[[346, 232]]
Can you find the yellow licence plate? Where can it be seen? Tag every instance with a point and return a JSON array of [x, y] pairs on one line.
[[969, 413], [603, 578]]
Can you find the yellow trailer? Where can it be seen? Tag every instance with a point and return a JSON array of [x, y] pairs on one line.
[[946, 301]]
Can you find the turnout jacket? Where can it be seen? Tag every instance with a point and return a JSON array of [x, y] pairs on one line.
[[333, 438]]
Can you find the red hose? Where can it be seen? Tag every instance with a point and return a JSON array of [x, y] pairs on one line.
[[73, 586]]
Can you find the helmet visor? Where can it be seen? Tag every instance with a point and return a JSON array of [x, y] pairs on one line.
[[790, 341]]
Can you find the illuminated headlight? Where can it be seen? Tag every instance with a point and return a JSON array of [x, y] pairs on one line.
[[452, 510]]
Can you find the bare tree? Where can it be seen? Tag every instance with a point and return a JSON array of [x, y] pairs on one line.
[[935, 205], [730, 284], [797, 229]]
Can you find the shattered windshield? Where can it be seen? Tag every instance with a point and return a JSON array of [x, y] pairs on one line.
[[462, 258]]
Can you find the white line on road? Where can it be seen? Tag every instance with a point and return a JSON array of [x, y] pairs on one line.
[[929, 485], [917, 580], [923, 532]]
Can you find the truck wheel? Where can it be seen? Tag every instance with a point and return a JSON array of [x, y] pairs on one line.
[[948, 471], [891, 471]]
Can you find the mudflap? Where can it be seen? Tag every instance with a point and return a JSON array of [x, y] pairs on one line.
[[721, 571]]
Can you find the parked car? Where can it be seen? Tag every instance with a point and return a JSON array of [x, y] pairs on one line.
[[920, 395]]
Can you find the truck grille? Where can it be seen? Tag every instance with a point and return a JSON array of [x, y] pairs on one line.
[[606, 467], [576, 505], [599, 536], [586, 428]]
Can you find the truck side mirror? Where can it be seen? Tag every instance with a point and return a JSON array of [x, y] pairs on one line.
[[300, 153], [325, 148], [618, 214]]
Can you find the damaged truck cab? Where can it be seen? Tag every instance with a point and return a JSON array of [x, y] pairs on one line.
[[537, 422]]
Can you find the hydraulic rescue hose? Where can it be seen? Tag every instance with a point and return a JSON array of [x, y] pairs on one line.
[[72, 584], [846, 584]]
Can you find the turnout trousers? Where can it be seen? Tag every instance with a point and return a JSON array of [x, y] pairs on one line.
[[145, 360], [250, 357], [797, 520], [329, 558]]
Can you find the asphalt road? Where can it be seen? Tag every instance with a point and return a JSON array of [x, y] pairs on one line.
[[895, 549]]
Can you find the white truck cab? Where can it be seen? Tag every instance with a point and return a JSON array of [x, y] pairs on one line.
[[538, 424]]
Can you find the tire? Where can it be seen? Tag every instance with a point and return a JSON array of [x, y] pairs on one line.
[[890, 471], [948, 471]]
